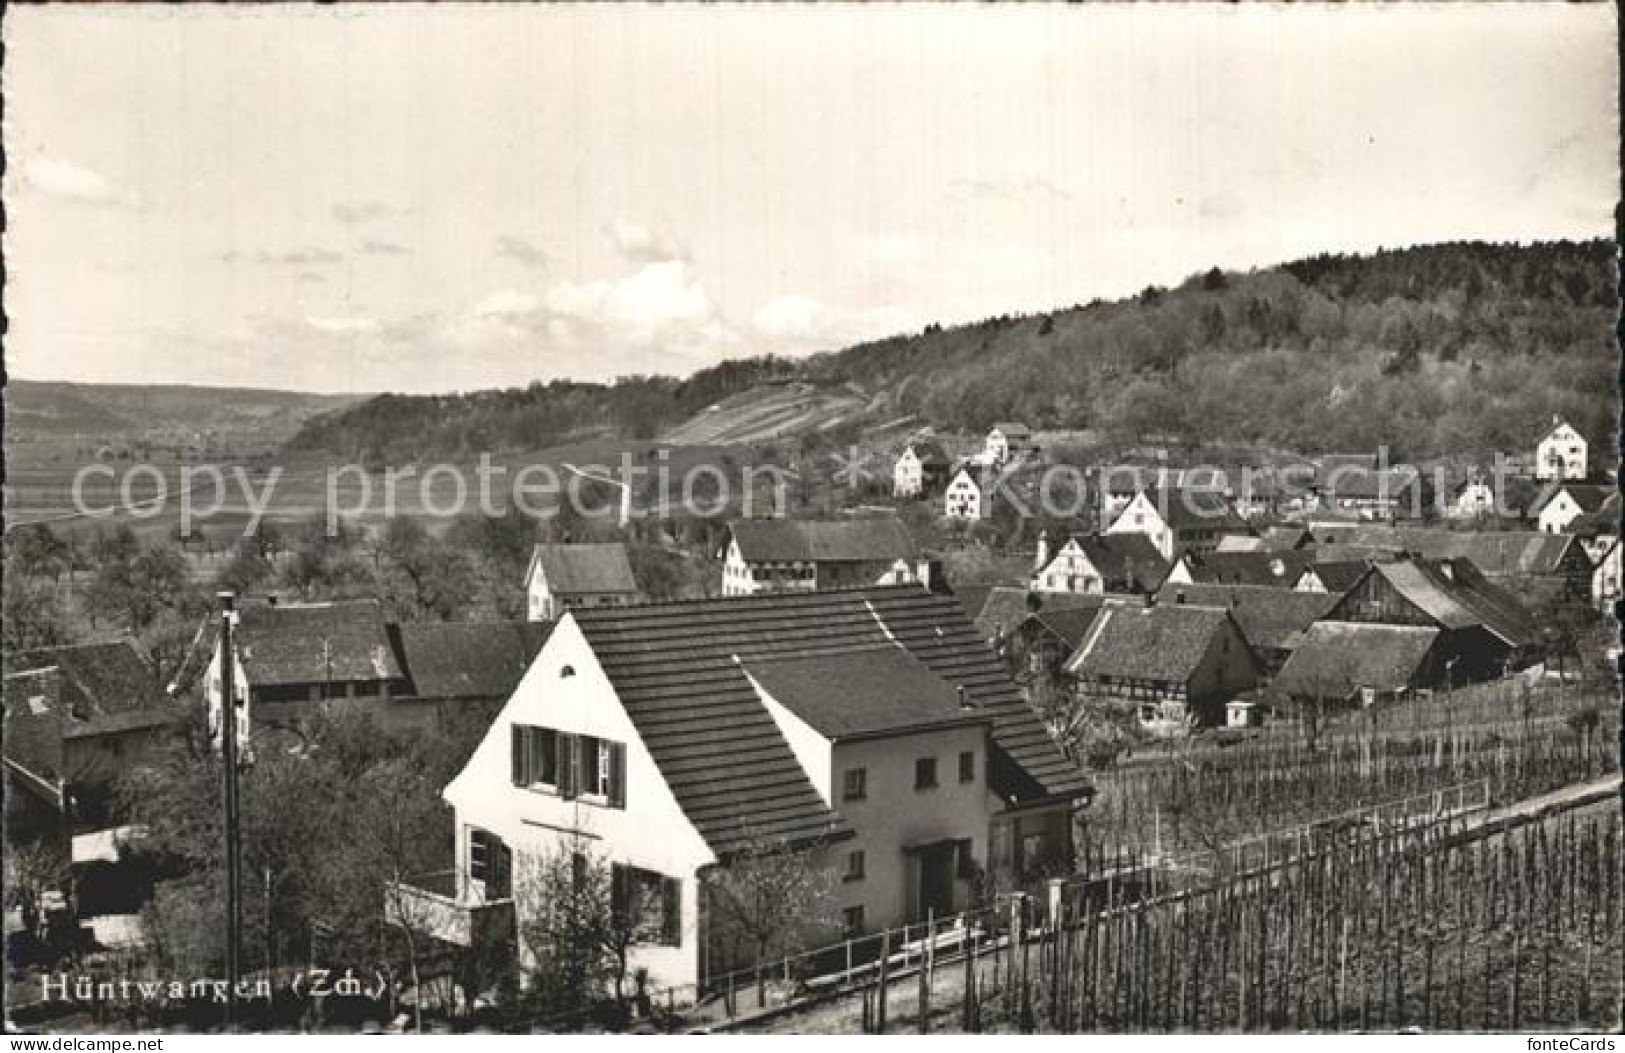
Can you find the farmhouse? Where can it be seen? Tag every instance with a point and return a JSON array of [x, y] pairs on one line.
[[1561, 453], [1273, 620], [76, 718], [1512, 558], [969, 495], [1099, 563], [1007, 440], [1178, 521], [800, 555], [1361, 662], [921, 467], [296, 659], [1178, 663], [562, 577], [1473, 499], [870, 726], [1484, 631]]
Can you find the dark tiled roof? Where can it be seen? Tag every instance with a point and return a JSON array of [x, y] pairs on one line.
[[1454, 594], [1278, 569], [1269, 617], [314, 643], [677, 669], [882, 689], [852, 540], [102, 688], [1339, 576], [1070, 623], [1605, 520], [584, 568], [1164, 642], [1126, 561], [1001, 611], [1287, 538], [1502, 552], [1336, 659], [472, 660]]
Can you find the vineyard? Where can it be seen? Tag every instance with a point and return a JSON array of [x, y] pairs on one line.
[[1191, 796], [1419, 927]]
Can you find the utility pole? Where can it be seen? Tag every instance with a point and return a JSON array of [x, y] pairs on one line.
[[228, 740]]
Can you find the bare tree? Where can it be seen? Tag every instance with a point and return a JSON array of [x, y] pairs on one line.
[[34, 868], [769, 896]]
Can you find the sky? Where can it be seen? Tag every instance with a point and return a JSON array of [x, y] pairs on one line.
[[403, 198]]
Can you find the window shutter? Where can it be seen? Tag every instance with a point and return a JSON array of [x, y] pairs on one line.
[[671, 914], [519, 775], [617, 775], [567, 766]]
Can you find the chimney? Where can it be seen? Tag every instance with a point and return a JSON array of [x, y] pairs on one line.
[[964, 699], [1042, 558]]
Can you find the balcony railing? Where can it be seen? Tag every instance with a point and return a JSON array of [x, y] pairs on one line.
[[454, 911]]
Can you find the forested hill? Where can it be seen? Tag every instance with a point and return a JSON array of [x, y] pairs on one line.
[[1463, 347]]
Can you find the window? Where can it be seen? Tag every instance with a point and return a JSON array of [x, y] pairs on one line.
[[925, 773], [649, 903], [490, 863], [570, 765], [854, 867], [967, 766], [855, 784], [535, 756], [852, 920]]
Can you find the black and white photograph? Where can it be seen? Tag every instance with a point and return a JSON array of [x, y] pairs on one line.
[[594, 519]]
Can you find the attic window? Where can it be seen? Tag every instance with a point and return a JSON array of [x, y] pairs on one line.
[[567, 671]]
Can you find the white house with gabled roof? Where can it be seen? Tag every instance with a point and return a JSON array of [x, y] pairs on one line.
[[870, 727], [1561, 452]]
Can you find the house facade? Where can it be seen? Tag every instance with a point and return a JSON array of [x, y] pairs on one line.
[[870, 727], [1007, 440], [1560, 505], [1178, 521], [563, 577], [922, 467], [1484, 631], [968, 495], [798, 555], [1178, 664], [1094, 564], [1561, 453]]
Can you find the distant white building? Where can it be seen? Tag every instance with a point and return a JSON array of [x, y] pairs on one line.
[[1005, 440], [562, 577], [1561, 453], [801, 555], [1474, 499], [1560, 504], [968, 495], [920, 467]]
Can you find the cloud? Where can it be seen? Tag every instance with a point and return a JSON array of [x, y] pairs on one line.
[[653, 302], [358, 325], [790, 317], [351, 213], [381, 247], [522, 252], [638, 244], [507, 303], [70, 182]]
